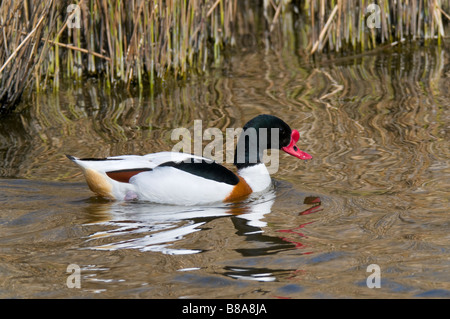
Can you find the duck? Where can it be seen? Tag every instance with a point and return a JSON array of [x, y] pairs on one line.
[[176, 178]]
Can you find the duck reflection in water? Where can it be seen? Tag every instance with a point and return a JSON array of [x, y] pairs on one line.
[[162, 228]]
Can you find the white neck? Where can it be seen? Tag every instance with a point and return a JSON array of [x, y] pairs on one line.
[[257, 177]]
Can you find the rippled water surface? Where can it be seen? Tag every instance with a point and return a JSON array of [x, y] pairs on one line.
[[376, 191]]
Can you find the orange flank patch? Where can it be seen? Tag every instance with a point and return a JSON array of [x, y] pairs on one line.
[[240, 190], [98, 183]]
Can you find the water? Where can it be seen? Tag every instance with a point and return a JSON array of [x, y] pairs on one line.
[[376, 191]]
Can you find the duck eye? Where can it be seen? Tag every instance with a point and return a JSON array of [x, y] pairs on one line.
[[295, 148]]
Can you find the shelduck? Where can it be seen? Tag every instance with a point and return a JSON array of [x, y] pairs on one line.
[[185, 179]]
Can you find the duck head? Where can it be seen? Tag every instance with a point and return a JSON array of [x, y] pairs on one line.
[[266, 132]]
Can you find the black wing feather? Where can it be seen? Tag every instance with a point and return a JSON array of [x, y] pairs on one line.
[[208, 170]]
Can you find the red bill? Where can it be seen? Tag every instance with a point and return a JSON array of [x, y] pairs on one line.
[[293, 150]]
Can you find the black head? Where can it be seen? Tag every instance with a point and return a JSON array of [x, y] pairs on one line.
[[261, 133], [272, 124]]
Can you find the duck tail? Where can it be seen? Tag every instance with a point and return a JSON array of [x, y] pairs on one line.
[[72, 158]]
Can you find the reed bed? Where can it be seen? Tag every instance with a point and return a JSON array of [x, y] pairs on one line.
[[122, 41], [145, 42], [352, 26]]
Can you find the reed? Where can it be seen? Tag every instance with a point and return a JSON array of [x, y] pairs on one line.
[[361, 25], [146, 42], [23, 24]]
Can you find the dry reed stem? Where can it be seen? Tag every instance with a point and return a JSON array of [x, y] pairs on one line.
[[21, 44], [325, 29]]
